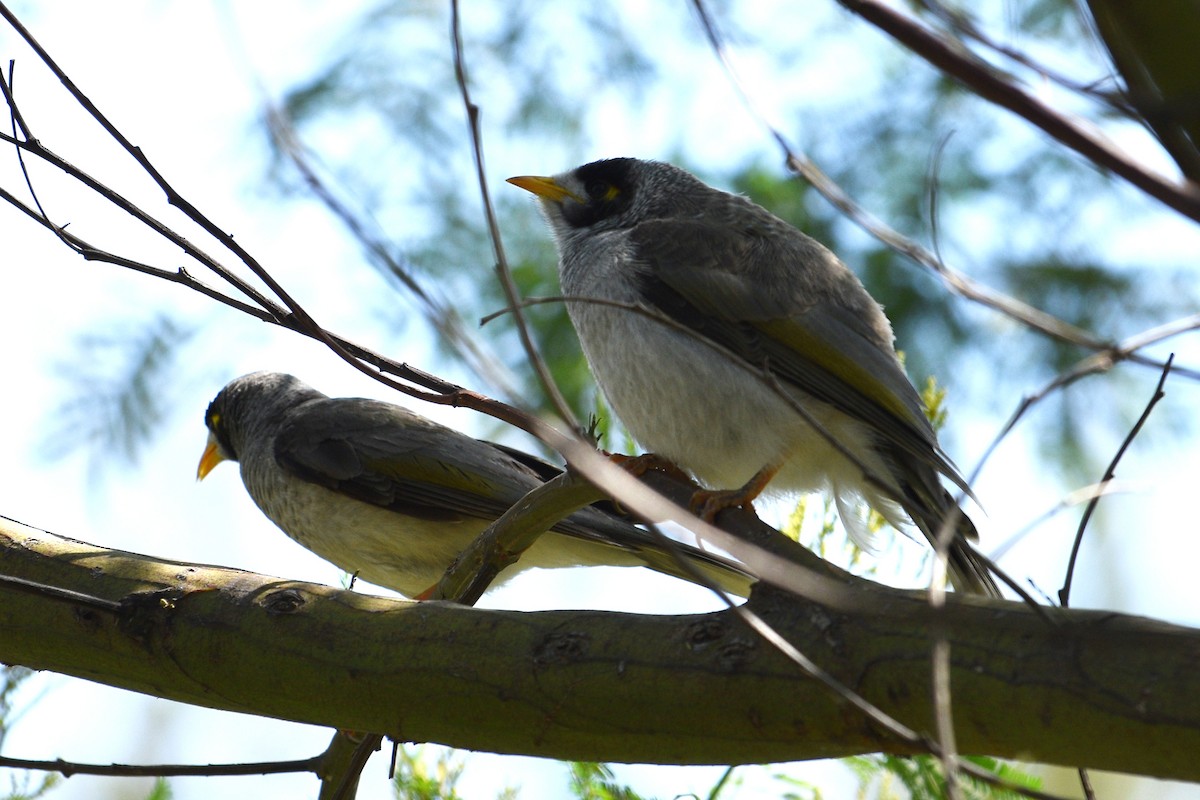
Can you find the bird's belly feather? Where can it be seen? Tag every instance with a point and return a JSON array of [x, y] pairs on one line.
[[724, 434]]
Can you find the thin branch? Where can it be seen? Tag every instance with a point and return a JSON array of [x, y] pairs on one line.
[[1085, 783], [58, 593], [511, 294], [811, 668], [1092, 365], [715, 792], [979, 76], [443, 317], [71, 768], [1064, 594], [1069, 500], [962, 22], [33, 146], [18, 122], [173, 197], [942, 715], [304, 319]]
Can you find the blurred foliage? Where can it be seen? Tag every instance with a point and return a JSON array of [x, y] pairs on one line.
[[886, 777], [161, 790], [422, 777], [591, 781], [118, 392]]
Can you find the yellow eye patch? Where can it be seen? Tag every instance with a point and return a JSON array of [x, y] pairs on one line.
[[611, 192]]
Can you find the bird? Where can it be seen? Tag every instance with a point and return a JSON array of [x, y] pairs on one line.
[[392, 497], [738, 348]]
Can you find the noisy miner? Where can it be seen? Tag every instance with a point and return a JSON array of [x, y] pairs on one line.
[[393, 497], [712, 317]]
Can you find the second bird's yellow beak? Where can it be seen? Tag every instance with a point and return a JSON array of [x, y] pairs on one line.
[[210, 458], [544, 187]]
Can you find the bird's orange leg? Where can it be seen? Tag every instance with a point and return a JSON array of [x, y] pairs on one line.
[[707, 503]]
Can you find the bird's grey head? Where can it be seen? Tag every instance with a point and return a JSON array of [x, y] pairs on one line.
[[616, 193], [253, 403]]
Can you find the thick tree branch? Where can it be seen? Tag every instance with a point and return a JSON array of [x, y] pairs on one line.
[[1095, 689]]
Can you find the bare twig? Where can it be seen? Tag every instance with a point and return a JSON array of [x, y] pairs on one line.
[[964, 24], [70, 768], [1085, 783], [442, 316], [1093, 365], [58, 593], [511, 294], [1070, 500], [1064, 594], [956, 61], [304, 320]]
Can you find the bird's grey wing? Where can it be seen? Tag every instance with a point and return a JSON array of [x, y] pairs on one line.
[[544, 469], [814, 328], [381, 454]]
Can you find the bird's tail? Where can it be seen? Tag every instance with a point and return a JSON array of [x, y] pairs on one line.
[[969, 571]]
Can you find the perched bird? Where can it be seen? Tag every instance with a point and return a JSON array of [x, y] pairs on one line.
[[393, 497], [715, 319]]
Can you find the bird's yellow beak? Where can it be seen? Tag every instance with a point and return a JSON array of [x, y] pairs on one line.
[[545, 187], [211, 457]]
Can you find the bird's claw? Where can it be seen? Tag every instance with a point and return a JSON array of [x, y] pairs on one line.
[[707, 503]]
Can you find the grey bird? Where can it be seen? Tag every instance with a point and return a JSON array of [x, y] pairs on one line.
[[394, 497], [746, 319]]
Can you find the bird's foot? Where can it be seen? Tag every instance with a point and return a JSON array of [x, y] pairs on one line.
[[707, 503], [638, 466], [646, 462]]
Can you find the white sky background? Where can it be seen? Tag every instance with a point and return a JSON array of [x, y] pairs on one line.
[[175, 80]]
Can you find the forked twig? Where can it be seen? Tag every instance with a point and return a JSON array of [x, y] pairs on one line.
[[1064, 594], [442, 316]]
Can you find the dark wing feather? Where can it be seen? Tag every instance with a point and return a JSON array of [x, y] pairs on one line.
[[384, 455], [819, 337]]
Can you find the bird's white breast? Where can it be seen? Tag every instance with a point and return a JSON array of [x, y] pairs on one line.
[[689, 402]]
